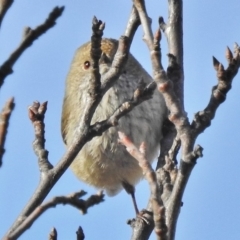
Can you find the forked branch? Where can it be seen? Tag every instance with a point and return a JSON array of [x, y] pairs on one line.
[[170, 84], [72, 199], [29, 36]]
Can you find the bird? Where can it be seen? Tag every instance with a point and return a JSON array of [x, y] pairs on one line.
[[103, 162]]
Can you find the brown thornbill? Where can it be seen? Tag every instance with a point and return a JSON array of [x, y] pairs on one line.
[[103, 162]]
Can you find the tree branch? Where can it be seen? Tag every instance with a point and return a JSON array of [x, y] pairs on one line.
[[72, 199], [132, 25], [174, 33], [170, 84], [4, 6], [150, 175], [4, 122], [203, 119], [29, 36], [36, 114], [164, 82]]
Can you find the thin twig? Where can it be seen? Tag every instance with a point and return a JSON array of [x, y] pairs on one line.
[[188, 136], [72, 199], [133, 24], [30, 35], [150, 175], [173, 30], [36, 113], [203, 119], [96, 51], [4, 123], [118, 64], [4, 6]]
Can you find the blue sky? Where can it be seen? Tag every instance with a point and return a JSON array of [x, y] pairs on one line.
[[211, 201]]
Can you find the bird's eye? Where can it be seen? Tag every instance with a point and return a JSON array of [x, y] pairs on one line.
[[86, 65]]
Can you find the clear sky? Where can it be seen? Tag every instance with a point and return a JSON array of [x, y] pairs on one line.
[[211, 207]]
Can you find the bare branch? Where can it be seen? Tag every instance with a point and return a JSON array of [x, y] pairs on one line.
[[4, 6], [203, 119], [72, 199], [164, 84], [175, 72], [118, 64], [133, 24], [177, 114], [30, 35], [36, 113], [145, 20], [170, 84], [175, 105], [142, 229], [4, 122], [97, 27], [150, 175], [188, 135], [174, 33]]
